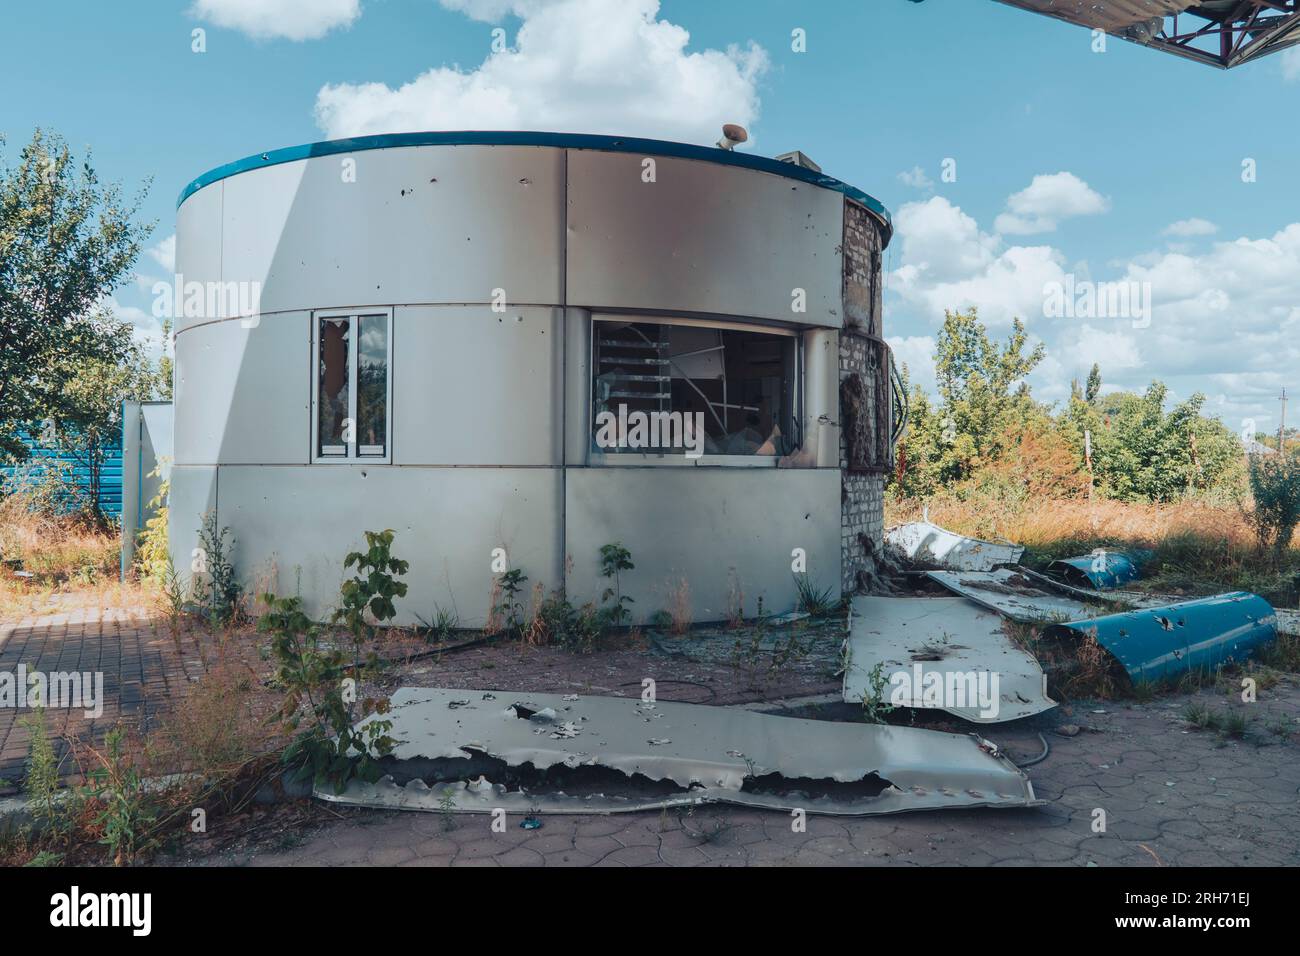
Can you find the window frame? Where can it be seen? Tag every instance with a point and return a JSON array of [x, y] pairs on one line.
[[354, 316], [664, 459]]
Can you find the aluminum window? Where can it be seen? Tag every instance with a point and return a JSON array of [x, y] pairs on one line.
[[352, 386], [693, 390]]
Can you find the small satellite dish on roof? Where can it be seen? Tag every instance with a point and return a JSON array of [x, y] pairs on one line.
[[732, 136]]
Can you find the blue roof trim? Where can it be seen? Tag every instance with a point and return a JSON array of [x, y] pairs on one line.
[[614, 144]]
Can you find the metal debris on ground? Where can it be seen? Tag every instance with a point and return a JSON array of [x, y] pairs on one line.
[[957, 642], [711, 754], [1011, 592], [1102, 570], [1165, 642], [926, 544]]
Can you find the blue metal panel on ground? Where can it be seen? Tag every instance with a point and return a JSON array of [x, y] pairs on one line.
[[110, 480], [1102, 569], [1164, 642]]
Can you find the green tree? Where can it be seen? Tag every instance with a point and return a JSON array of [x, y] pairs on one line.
[[1093, 389], [982, 390], [91, 407], [67, 241], [1140, 452]]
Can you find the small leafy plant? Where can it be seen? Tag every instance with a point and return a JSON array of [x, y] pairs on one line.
[[614, 558], [320, 677], [874, 706], [508, 611], [217, 590]]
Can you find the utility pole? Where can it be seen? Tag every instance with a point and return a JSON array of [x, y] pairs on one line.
[[1281, 432]]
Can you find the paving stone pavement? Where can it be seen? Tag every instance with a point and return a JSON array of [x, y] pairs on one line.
[[1171, 797]]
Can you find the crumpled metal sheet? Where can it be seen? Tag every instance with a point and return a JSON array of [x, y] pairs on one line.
[[943, 636], [925, 543], [1164, 642], [697, 754], [1103, 570], [1011, 592]]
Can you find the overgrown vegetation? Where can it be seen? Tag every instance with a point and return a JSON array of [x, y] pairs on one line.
[[217, 590], [321, 677], [1275, 488], [989, 439]]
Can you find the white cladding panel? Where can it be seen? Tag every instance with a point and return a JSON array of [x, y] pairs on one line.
[[243, 394], [198, 247], [419, 224], [722, 529], [192, 494], [476, 387], [701, 238], [447, 521]]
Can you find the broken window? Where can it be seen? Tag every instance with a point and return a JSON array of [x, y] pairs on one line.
[[674, 388], [353, 355]]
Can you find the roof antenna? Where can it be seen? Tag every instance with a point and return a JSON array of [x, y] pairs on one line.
[[732, 136]]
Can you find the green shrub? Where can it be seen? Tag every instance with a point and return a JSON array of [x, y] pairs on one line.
[[320, 676], [1275, 486]]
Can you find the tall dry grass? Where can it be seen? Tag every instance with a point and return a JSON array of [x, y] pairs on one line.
[[43, 554]]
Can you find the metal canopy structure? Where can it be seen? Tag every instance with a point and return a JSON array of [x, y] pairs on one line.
[[1222, 33]]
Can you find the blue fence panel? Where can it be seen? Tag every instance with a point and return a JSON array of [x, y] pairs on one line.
[[110, 478]]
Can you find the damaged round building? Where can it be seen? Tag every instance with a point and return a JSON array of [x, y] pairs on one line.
[[515, 348]]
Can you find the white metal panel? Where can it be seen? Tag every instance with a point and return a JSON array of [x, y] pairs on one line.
[[476, 387], [696, 753], [305, 520], [198, 245], [701, 238], [726, 531], [419, 224], [951, 640], [243, 394], [928, 544]]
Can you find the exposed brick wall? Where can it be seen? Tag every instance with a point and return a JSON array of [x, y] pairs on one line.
[[862, 263], [862, 489]]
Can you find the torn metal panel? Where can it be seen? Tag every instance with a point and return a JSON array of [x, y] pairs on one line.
[[1102, 570], [991, 679], [1163, 642], [925, 543], [1010, 592], [545, 753]]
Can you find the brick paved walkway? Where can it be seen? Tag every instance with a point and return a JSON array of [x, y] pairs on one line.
[[1172, 795], [143, 666]]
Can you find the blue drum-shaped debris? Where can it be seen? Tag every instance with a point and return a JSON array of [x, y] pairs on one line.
[[1166, 642], [1101, 569]]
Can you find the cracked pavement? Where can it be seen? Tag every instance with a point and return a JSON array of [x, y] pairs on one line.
[[1171, 795]]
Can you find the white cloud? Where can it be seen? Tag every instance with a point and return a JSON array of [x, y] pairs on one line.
[[1115, 351], [1048, 199], [592, 66], [271, 19], [164, 253], [916, 178], [1225, 321], [1291, 64], [946, 262], [917, 353], [1186, 228]]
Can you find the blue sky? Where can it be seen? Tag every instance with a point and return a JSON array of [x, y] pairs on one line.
[[1125, 143]]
